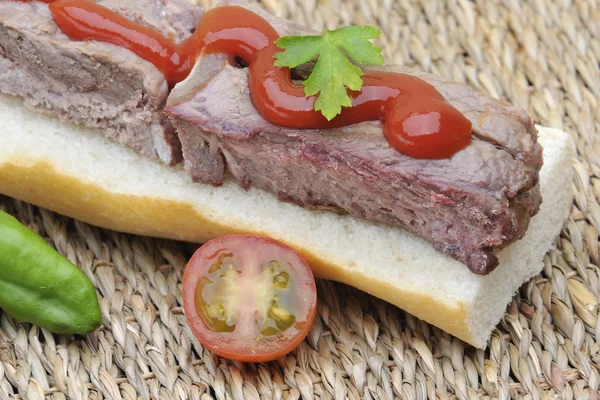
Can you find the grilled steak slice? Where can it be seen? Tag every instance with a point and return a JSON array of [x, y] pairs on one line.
[[90, 83], [468, 206]]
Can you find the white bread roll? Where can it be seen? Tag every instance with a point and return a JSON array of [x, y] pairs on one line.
[[81, 174]]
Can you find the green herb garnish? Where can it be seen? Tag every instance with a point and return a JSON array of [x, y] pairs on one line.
[[333, 72]]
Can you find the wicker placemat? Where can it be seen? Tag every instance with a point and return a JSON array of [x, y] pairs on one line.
[[542, 55]]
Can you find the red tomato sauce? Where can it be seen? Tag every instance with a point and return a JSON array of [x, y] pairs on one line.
[[417, 120]]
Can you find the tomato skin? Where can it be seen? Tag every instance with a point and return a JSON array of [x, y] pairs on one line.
[[247, 344]]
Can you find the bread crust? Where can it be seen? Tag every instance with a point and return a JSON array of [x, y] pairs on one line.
[[81, 174], [39, 183]]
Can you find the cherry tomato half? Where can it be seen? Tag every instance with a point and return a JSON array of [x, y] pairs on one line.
[[249, 298]]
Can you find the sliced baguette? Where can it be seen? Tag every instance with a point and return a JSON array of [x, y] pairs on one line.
[[79, 173]]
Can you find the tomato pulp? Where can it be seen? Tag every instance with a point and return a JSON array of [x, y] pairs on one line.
[[249, 298], [418, 121]]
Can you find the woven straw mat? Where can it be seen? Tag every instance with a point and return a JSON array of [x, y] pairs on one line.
[[539, 54]]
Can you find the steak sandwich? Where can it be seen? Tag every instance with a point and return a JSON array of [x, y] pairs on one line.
[[423, 233]]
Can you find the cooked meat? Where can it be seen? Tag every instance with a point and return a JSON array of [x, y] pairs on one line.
[[468, 206], [94, 84]]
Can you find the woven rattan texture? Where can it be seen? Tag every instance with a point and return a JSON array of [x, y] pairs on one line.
[[540, 54]]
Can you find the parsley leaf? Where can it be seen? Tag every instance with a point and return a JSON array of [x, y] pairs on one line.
[[333, 72]]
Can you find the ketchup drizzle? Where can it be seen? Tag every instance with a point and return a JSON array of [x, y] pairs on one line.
[[417, 120]]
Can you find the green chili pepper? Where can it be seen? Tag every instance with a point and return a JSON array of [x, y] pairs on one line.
[[39, 285]]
